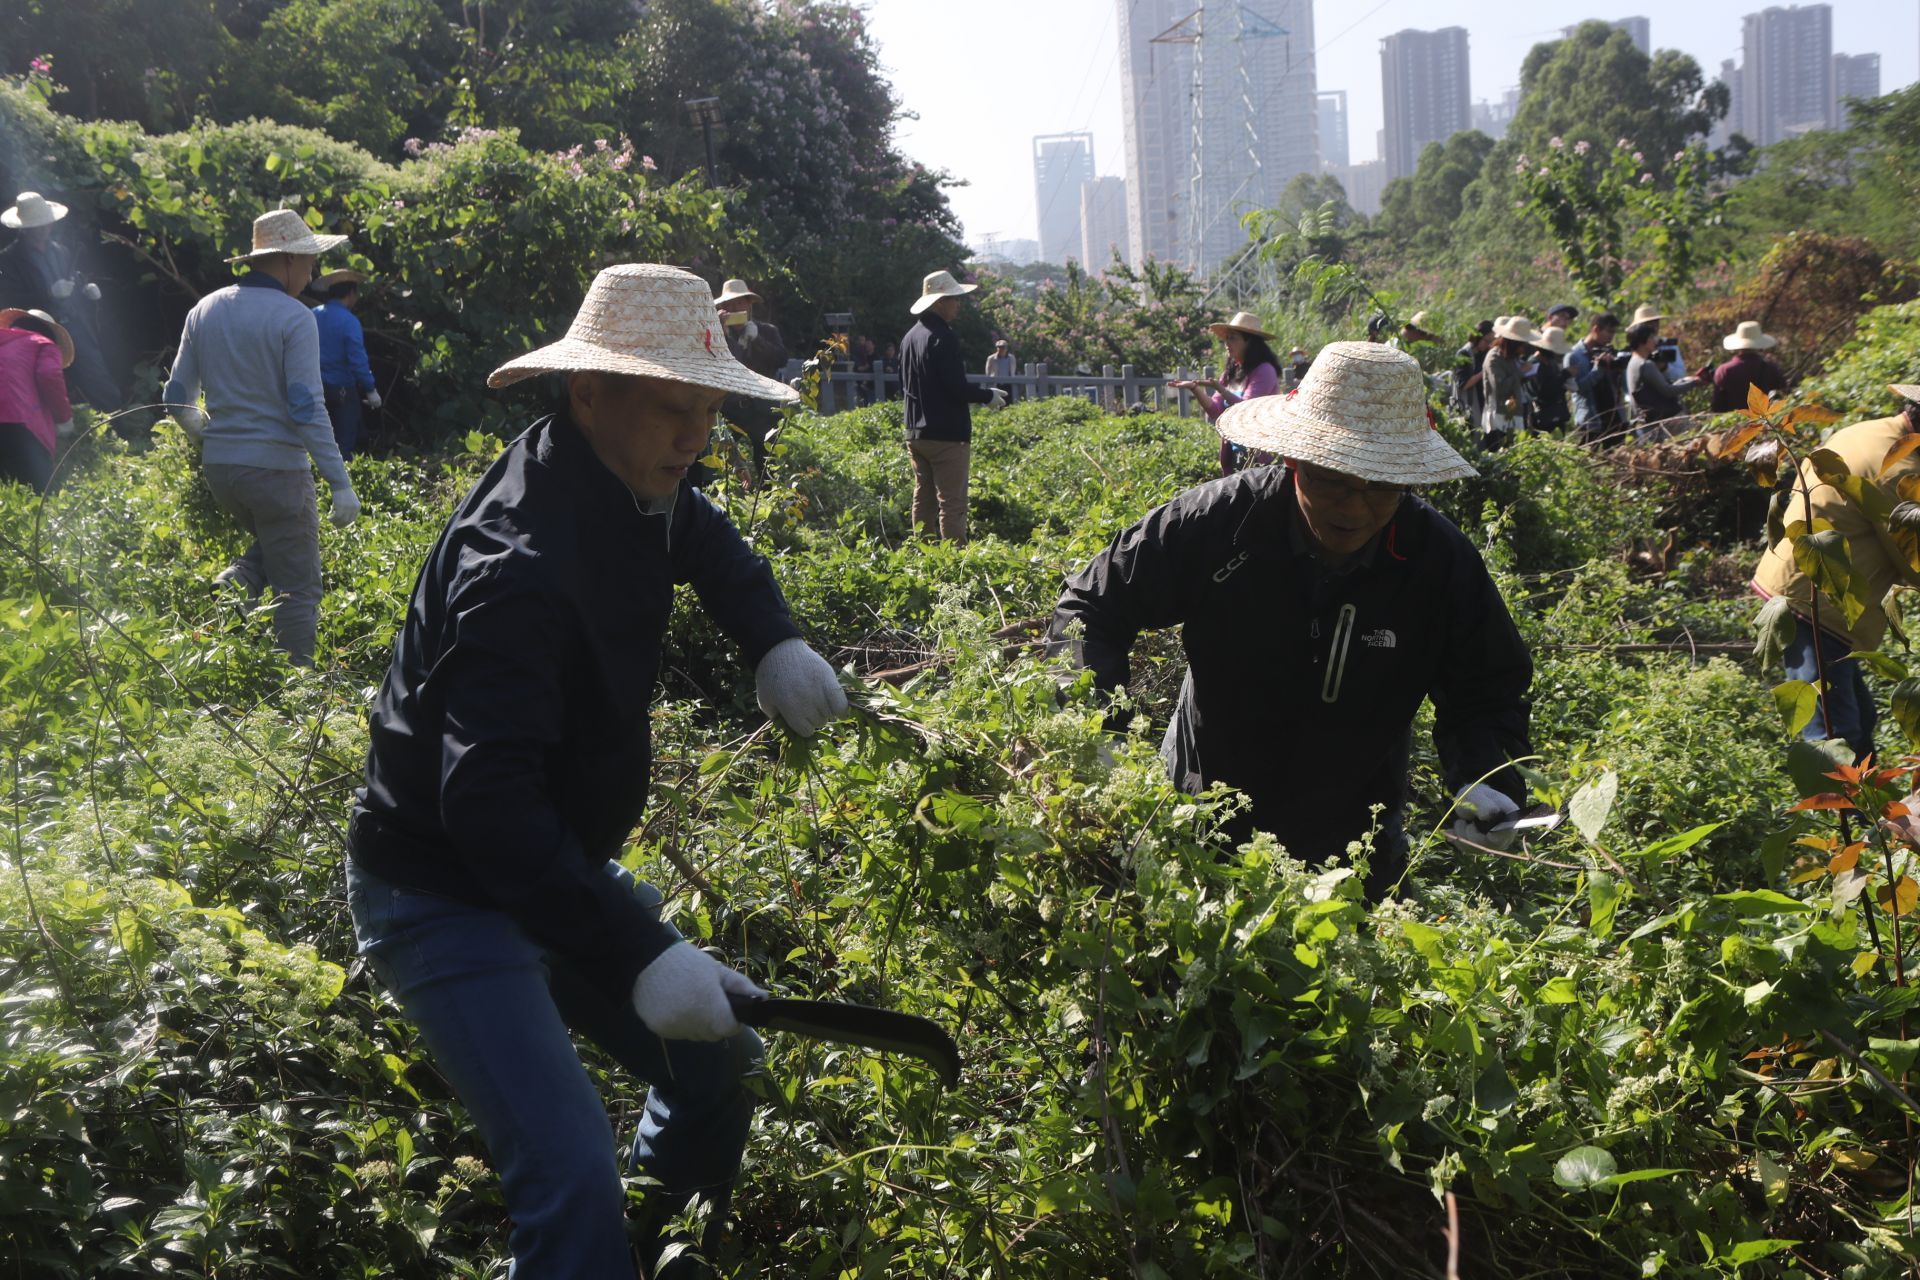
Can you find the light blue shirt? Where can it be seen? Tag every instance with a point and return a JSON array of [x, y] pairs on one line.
[[255, 352]]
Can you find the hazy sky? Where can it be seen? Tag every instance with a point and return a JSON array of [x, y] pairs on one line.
[[985, 76]]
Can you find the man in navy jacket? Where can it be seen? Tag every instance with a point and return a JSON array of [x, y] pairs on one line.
[[1321, 603], [508, 762], [939, 409]]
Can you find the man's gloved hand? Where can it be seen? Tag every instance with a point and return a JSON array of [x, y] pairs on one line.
[[61, 288], [683, 994], [91, 293], [373, 401], [1478, 810], [999, 400], [751, 331], [797, 685], [63, 430], [191, 421], [346, 506]]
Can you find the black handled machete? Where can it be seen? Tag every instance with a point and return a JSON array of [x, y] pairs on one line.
[[858, 1024]]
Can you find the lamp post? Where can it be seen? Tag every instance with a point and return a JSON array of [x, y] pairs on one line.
[[705, 112]]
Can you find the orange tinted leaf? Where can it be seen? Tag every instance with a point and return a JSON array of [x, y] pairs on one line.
[[1742, 437], [1896, 809], [1827, 800], [1825, 843], [1904, 446], [1846, 859], [1758, 403], [1812, 413], [1900, 897]]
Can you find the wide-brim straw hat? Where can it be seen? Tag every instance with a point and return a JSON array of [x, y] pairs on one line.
[[345, 276], [937, 285], [1906, 390], [284, 231], [1242, 322], [1553, 338], [1420, 327], [1747, 336], [1361, 410], [733, 289], [646, 320], [1644, 314], [61, 338], [1518, 328], [31, 209]]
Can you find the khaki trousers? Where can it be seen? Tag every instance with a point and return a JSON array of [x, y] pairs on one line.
[[940, 488]]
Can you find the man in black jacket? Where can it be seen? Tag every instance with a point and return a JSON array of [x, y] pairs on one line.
[[939, 400], [1321, 602], [508, 762]]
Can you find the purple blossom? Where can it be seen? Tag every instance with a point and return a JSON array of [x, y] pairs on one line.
[[1624, 143], [1543, 171], [646, 162], [1556, 143], [41, 65], [1639, 158], [412, 146], [1680, 155], [1645, 178], [1581, 147], [1523, 162]]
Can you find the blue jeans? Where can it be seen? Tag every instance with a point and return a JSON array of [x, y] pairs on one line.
[[343, 411], [495, 1009], [1848, 700]]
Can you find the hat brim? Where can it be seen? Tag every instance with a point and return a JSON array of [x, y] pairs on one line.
[[1765, 342], [312, 247], [1906, 390], [1413, 333], [1222, 329], [926, 300], [1275, 424], [61, 338], [11, 217], [735, 297], [569, 355], [332, 278]]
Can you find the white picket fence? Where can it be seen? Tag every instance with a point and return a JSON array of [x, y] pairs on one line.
[[1118, 390]]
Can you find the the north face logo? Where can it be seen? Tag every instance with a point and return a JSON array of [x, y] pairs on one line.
[[1381, 639]]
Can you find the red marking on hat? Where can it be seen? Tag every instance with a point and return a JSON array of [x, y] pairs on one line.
[[709, 342]]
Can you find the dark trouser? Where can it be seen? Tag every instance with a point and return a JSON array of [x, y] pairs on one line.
[[1849, 702], [343, 410], [497, 1011], [24, 458]]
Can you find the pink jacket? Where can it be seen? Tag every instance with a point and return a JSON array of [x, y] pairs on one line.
[[33, 389]]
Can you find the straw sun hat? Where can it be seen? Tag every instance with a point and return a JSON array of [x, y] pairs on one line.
[[1648, 312], [1553, 338], [1361, 410], [61, 338], [32, 209], [1518, 328], [345, 276], [646, 321], [733, 289], [284, 231], [1242, 322], [937, 285], [1747, 336], [1905, 390]]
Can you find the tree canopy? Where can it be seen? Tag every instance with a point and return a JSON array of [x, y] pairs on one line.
[[1596, 86]]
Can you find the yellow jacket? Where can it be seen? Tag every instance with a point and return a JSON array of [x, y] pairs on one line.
[[1876, 560]]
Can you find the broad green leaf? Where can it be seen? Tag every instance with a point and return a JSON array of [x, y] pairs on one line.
[[1680, 843], [1773, 630], [1796, 700], [1880, 662], [1592, 803], [1904, 702], [1560, 989], [1585, 1168], [1826, 561], [1761, 902], [1603, 900], [1638, 1175], [1754, 1250], [1808, 763], [1774, 1182]]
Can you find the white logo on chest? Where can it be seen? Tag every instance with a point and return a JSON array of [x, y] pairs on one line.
[[1381, 639]]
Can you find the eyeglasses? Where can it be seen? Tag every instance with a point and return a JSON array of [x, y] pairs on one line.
[[1330, 486]]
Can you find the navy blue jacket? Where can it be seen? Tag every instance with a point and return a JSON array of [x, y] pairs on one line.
[[510, 743], [1302, 685], [933, 382]]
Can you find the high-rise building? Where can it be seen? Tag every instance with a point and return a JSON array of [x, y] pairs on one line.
[[1334, 151], [1103, 223], [1221, 113], [1729, 124], [1062, 163], [1364, 185], [1425, 80], [1854, 76], [1492, 118], [1786, 72], [1639, 30]]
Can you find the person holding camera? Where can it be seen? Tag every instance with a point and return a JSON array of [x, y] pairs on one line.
[[1654, 391], [1595, 371], [759, 345]]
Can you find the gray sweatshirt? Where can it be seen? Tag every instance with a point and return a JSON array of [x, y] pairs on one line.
[[256, 353]]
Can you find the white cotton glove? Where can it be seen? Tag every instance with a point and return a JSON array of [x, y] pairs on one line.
[[373, 402], [999, 400], [683, 994], [61, 288], [91, 293], [191, 421], [63, 430], [797, 686], [1479, 809], [346, 506], [750, 331]]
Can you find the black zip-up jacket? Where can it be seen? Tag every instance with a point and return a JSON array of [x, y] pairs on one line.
[[510, 742], [1302, 685], [933, 381]]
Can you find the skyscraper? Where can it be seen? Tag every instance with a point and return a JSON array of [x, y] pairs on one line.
[[1103, 222], [1334, 151], [1639, 30], [1425, 80], [1786, 73], [1062, 162], [1854, 76], [1221, 112]]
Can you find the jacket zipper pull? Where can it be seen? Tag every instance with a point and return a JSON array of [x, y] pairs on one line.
[[1337, 654]]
